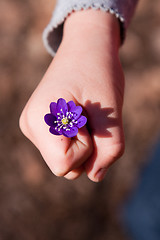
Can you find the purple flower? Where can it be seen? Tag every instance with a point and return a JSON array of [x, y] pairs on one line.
[[65, 118]]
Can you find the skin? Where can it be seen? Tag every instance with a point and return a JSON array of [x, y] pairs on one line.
[[87, 70]]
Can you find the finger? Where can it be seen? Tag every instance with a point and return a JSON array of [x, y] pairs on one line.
[[61, 154], [107, 151], [68, 156], [105, 126], [74, 174]]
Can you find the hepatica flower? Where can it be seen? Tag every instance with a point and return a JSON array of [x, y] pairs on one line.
[[65, 118]]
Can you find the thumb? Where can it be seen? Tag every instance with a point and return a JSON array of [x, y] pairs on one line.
[[61, 154], [64, 155]]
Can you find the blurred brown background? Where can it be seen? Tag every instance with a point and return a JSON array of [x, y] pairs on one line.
[[34, 204]]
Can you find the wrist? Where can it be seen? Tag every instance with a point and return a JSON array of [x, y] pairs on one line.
[[92, 28]]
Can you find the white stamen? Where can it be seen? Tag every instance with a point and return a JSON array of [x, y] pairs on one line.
[[68, 129]]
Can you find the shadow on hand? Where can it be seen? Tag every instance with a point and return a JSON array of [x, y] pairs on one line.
[[99, 120]]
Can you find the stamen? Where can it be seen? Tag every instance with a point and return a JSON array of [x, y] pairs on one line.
[[58, 121], [60, 127], [68, 129], [65, 121], [70, 115]]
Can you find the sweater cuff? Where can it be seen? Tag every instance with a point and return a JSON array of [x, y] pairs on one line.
[[52, 35]]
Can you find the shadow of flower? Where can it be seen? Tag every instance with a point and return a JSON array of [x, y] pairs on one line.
[[99, 120]]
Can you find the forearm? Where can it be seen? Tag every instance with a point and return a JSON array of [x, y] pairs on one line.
[[92, 30], [120, 9]]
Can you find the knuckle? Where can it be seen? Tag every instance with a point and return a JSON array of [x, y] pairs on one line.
[[62, 167], [23, 122], [26, 122], [60, 171], [117, 150]]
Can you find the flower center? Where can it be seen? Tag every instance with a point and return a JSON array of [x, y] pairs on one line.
[[65, 121]]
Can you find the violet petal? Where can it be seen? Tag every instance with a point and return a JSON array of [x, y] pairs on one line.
[[71, 133], [71, 106], [53, 108], [61, 104], [77, 112], [49, 119], [81, 121], [55, 132]]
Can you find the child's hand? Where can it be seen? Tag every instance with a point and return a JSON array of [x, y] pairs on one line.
[[86, 69]]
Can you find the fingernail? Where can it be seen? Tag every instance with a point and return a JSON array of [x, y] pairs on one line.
[[101, 174]]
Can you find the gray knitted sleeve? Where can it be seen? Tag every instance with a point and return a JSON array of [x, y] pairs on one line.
[[52, 35]]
